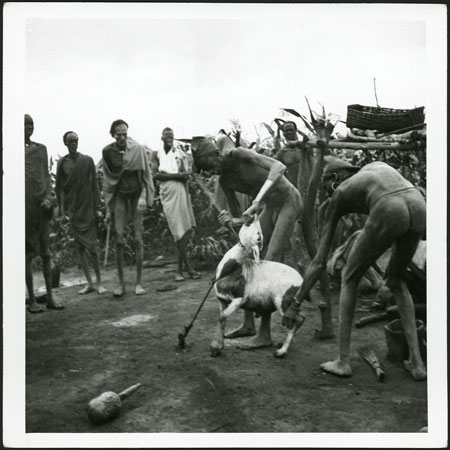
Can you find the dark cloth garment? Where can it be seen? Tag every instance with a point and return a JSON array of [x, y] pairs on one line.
[[38, 188], [119, 172], [77, 187]]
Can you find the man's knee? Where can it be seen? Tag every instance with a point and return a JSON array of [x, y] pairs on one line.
[[350, 275], [395, 284]]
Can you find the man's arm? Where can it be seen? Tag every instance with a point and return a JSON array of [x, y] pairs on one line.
[[50, 196], [232, 200], [319, 262]]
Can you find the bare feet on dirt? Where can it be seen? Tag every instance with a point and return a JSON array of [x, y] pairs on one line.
[[86, 290], [337, 368], [119, 291], [101, 290], [53, 305], [418, 373], [194, 275], [179, 277], [139, 290], [255, 342], [324, 333], [35, 308], [240, 332]]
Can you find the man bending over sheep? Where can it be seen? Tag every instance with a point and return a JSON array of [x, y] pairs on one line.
[[396, 215], [243, 170]]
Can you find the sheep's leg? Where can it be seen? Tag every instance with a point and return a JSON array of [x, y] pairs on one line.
[[289, 336], [216, 345], [263, 338], [246, 329]]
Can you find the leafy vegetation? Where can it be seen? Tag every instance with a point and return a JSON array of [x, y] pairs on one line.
[[211, 240]]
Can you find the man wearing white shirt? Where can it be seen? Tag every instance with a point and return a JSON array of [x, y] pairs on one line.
[[172, 172]]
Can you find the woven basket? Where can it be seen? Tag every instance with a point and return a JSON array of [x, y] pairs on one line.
[[383, 119]]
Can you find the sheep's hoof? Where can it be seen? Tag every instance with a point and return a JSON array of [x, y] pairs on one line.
[[279, 354], [215, 351]]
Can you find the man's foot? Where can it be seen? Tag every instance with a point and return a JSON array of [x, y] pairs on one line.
[[241, 332], [55, 306], [35, 308], [139, 290], [337, 368], [194, 275], [87, 289], [101, 289], [419, 373], [324, 333], [119, 291], [255, 342], [179, 277]]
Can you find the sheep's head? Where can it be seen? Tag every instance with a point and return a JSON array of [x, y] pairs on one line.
[[232, 260], [251, 238]]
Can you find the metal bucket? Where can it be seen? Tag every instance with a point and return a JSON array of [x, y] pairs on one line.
[[398, 349]]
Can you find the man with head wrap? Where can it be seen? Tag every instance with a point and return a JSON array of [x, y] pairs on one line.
[[39, 203], [79, 197], [276, 200], [396, 215]]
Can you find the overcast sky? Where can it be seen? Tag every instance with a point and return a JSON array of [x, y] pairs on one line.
[[195, 74]]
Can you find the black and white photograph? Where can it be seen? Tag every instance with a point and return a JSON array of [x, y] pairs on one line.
[[229, 223]]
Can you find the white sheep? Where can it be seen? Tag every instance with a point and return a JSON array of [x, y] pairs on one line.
[[259, 286]]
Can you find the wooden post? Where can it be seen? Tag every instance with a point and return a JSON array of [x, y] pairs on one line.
[[370, 145], [308, 184]]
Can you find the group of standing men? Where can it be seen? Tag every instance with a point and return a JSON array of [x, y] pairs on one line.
[[128, 189], [396, 215]]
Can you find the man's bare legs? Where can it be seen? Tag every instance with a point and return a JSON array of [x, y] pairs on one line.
[[46, 265], [120, 217], [139, 244], [85, 266], [120, 220], [263, 338], [403, 252], [183, 259], [96, 263], [33, 306]]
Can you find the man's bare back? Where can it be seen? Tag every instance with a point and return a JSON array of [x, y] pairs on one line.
[[397, 215]]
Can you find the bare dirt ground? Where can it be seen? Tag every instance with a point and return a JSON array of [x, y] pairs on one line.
[[99, 343]]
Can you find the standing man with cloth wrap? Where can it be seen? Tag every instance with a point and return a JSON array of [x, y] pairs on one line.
[[79, 197], [39, 203], [172, 172], [128, 189]]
